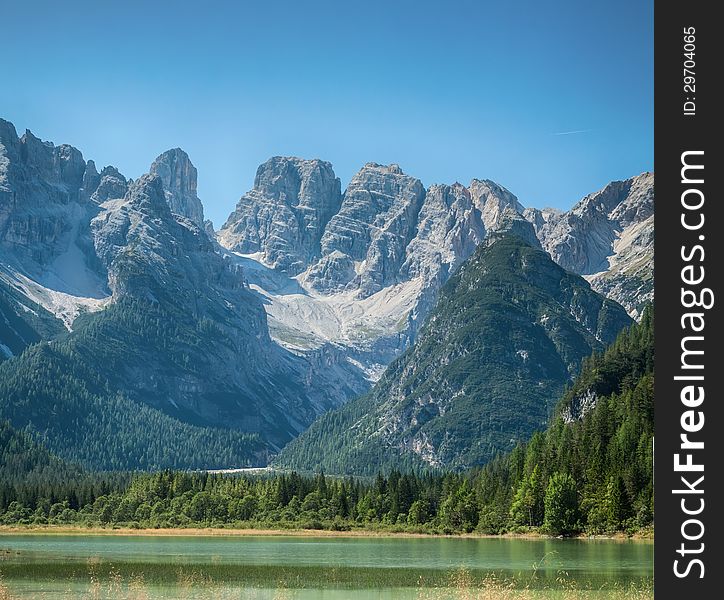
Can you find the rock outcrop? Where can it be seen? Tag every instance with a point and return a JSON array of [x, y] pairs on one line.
[[608, 238], [284, 216], [492, 200], [40, 188], [178, 177], [376, 222]]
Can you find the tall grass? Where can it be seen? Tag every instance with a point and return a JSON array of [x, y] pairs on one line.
[[103, 582]]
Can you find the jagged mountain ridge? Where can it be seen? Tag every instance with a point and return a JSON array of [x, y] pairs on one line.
[[367, 274], [365, 280], [508, 332], [608, 237], [210, 362], [346, 279]]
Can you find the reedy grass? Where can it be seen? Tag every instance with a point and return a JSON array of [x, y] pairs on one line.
[[96, 580]]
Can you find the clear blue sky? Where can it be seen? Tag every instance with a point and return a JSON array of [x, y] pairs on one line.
[[450, 90]]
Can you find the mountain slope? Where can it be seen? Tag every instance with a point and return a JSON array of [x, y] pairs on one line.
[[602, 437], [608, 237], [508, 332], [131, 298], [21, 456]]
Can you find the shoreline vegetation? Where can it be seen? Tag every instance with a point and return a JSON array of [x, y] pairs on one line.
[[646, 534]]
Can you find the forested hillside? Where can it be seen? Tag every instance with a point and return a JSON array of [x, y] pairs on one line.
[[508, 332], [591, 472], [58, 390]]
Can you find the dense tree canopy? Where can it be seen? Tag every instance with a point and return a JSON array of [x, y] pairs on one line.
[[590, 473]]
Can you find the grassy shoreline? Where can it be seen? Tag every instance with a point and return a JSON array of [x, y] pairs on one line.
[[646, 535]]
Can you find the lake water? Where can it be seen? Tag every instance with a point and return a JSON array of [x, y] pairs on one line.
[[329, 568]]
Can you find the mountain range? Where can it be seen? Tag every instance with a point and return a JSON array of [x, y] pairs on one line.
[[508, 332], [295, 306]]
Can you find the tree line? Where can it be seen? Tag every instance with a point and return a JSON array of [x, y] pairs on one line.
[[590, 471]]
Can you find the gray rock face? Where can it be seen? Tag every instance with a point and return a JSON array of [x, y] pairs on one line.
[[39, 192], [508, 331], [542, 216], [74, 240], [608, 238], [376, 222], [284, 215], [450, 228], [492, 200], [111, 185], [178, 177], [511, 222], [380, 260]]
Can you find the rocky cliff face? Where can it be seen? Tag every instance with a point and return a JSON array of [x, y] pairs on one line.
[[178, 177], [492, 200], [45, 244], [382, 252], [39, 193], [283, 217], [608, 238], [369, 272], [172, 323], [376, 222]]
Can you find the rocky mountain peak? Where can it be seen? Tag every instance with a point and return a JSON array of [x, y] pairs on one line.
[[511, 222], [492, 199], [284, 215], [111, 184], [608, 238], [638, 204], [374, 225], [392, 168], [8, 134], [40, 197], [179, 176]]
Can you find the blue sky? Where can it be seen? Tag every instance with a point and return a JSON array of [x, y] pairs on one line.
[[449, 90]]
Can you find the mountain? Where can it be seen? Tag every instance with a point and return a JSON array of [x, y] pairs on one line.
[[356, 271], [508, 332], [283, 217], [137, 316], [178, 179], [608, 237], [296, 305], [360, 270]]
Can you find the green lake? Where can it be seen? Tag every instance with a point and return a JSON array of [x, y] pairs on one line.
[[50, 566]]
